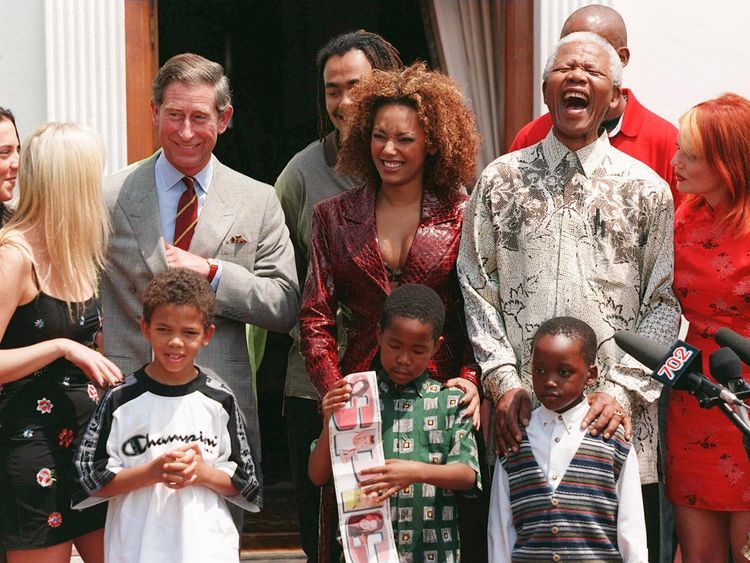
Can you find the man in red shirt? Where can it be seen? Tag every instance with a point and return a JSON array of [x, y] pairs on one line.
[[632, 128]]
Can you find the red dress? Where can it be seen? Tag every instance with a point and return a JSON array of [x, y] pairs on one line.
[[347, 270], [707, 467]]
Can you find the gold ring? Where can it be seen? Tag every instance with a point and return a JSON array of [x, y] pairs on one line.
[[619, 413]]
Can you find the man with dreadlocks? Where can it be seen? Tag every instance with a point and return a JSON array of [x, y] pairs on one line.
[[307, 179]]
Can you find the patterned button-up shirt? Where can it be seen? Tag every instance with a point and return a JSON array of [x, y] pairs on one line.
[[422, 421], [588, 234]]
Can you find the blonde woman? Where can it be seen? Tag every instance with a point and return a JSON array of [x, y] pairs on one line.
[[51, 252]]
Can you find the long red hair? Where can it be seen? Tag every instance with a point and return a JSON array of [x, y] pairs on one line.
[[718, 131]]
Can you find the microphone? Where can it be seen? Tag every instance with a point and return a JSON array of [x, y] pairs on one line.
[[726, 368], [676, 366], [738, 343]]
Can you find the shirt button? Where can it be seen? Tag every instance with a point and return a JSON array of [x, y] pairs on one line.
[[557, 439], [554, 501], [559, 417], [555, 557], [555, 530], [554, 476]]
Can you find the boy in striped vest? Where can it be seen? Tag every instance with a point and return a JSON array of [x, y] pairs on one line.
[[567, 495]]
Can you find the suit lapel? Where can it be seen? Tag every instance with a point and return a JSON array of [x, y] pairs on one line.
[[140, 205], [435, 237], [218, 214], [360, 236]]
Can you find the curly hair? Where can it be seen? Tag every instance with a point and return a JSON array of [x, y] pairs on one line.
[[178, 286], [448, 123]]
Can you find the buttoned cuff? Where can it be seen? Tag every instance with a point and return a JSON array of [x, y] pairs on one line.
[[217, 276]]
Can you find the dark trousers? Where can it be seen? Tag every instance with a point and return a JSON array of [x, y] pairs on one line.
[[303, 425]]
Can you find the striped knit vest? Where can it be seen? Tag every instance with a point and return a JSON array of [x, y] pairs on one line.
[[576, 522]]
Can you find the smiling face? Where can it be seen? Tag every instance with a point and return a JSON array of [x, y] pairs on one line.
[[340, 75], [578, 93], [406, 347], [559, 371], [398, 146], [9, 150], [694, 175], [176, 334], [188, 125]]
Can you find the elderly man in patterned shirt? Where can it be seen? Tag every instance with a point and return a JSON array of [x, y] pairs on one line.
[[571, 226]]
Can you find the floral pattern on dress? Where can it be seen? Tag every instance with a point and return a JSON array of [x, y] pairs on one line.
[[43, 414], [65, 437], [706, 464], [44, 405], [45, 477]]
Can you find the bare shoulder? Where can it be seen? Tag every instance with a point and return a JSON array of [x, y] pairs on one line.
[[15, 269]]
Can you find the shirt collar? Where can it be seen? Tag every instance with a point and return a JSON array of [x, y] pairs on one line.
[[590, 156], [570, 419], [419, 385], [167, 176]]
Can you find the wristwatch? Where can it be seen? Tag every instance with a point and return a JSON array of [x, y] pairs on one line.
[[213, 267]]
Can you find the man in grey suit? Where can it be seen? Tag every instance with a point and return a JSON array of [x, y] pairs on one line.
[[236, 236]]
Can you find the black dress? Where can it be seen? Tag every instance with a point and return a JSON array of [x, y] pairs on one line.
[[42, 416]]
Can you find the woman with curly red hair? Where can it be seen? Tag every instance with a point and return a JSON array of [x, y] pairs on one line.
[[412, 142], [708, 474]]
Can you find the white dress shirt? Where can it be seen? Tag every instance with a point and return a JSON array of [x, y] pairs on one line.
[[554, 439]]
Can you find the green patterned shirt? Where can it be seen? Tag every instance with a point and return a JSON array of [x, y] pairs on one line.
[[422, 421]]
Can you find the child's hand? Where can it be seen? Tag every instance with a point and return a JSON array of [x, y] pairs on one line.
[[470, 400], [390, 478], [335, 398], [181, 466]]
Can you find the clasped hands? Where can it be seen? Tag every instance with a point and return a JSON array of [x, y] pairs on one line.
[[180, 468]]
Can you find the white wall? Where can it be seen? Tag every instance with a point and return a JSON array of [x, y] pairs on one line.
[[23, 83], [682, 51], [64, 60]]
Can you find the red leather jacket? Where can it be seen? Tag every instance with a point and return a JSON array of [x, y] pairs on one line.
[[347, 270]]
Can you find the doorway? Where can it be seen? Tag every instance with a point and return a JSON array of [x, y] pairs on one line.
[[268, 51]]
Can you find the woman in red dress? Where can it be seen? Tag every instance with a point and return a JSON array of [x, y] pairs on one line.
[[708, 473], [412, 141]]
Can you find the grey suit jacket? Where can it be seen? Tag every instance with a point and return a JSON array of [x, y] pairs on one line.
[[258, 281]]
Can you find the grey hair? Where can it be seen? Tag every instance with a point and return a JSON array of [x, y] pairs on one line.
[[189, 68], [615, 64]]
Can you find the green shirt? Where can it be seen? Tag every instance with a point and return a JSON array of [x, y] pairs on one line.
[[422, 421]]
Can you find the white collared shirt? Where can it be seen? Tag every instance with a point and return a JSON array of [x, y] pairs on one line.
[[554, 439]]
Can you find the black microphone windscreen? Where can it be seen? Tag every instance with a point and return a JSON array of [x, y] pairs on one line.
[[737, 342], [647, 351], [725, 365]]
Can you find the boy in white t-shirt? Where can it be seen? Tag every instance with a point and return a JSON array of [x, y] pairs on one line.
[[169, 445]]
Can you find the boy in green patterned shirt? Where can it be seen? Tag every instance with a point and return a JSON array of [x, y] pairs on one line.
[[429, 447]]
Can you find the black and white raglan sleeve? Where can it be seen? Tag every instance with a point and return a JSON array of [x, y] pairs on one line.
[[237, 458]]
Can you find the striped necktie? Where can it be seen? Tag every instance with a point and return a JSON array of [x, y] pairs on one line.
[[187, 215]]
